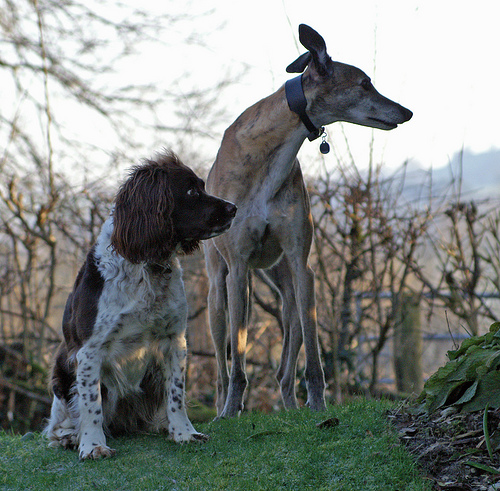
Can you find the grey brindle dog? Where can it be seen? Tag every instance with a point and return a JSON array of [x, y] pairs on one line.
[[256, 168]]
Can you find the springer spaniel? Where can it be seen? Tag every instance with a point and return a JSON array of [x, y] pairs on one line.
[[120, 367]]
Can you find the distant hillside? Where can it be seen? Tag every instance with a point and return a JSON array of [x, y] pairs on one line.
[[479, 175]]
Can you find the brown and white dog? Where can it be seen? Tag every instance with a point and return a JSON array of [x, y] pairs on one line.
[[120, 367]]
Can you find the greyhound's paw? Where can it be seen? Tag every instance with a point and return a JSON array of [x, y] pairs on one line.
[[230, 411], [316, 405]]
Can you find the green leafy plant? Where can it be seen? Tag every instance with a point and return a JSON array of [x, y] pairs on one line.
[[470, 379]]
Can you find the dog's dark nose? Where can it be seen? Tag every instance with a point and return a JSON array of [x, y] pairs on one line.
[[231, 209], [407, 114]]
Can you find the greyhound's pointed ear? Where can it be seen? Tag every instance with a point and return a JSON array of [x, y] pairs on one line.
[[299, 65], [316, 45]]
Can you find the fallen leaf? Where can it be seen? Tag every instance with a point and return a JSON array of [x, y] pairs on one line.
[[328, 423]]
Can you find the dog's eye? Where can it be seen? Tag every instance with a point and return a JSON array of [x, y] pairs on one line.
[[193, 193], [366, 83]]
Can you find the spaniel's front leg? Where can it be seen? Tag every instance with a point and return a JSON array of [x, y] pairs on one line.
[[179, 426], [92, 440]]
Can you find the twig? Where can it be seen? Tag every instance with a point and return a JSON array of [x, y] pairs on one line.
[[449, 330], [28, 393], [486, 431]]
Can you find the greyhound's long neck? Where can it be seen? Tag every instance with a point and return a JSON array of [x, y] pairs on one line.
[[269, 125], [262, 144]]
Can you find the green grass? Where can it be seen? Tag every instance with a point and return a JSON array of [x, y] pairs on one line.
[[282, 451]]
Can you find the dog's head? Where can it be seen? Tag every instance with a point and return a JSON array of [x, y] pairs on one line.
[[163, 207], [340, 92]]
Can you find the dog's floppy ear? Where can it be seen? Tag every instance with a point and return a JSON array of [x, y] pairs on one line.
[[316, 47], [142, 224]]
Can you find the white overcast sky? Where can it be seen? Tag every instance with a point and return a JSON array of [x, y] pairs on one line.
[[439, 58]]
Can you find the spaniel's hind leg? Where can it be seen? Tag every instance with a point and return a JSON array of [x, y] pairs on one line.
[[62, 428]]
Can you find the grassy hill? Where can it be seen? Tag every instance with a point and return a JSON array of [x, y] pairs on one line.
[[351, 447]]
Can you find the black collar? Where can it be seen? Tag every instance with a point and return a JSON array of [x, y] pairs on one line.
[[297, 103]]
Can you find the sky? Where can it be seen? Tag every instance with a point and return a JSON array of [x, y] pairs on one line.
[[439, 58]]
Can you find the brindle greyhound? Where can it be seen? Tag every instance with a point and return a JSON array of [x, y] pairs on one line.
[[256, 168]]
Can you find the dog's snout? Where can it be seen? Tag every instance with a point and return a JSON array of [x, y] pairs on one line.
[[407, 114], [231, 209]]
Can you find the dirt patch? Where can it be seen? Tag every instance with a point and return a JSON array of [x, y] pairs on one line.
[[451, 448]]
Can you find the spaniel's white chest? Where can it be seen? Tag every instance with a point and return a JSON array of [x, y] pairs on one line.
[[140, 310], [146, 304]]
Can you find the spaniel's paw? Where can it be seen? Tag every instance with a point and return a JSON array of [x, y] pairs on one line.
[[98, 452]]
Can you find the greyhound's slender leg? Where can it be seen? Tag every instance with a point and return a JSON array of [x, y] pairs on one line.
[[217, 308], [303, 283], [238, 300], [288, 366], [280, 274]]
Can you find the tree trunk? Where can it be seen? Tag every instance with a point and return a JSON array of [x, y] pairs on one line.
[[408, 347]]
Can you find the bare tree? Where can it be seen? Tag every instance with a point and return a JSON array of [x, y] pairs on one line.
[[460, 258], [491, 248], [461, 266], [367, 238]]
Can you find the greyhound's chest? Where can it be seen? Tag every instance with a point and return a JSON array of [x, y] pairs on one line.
[[268, 226]]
